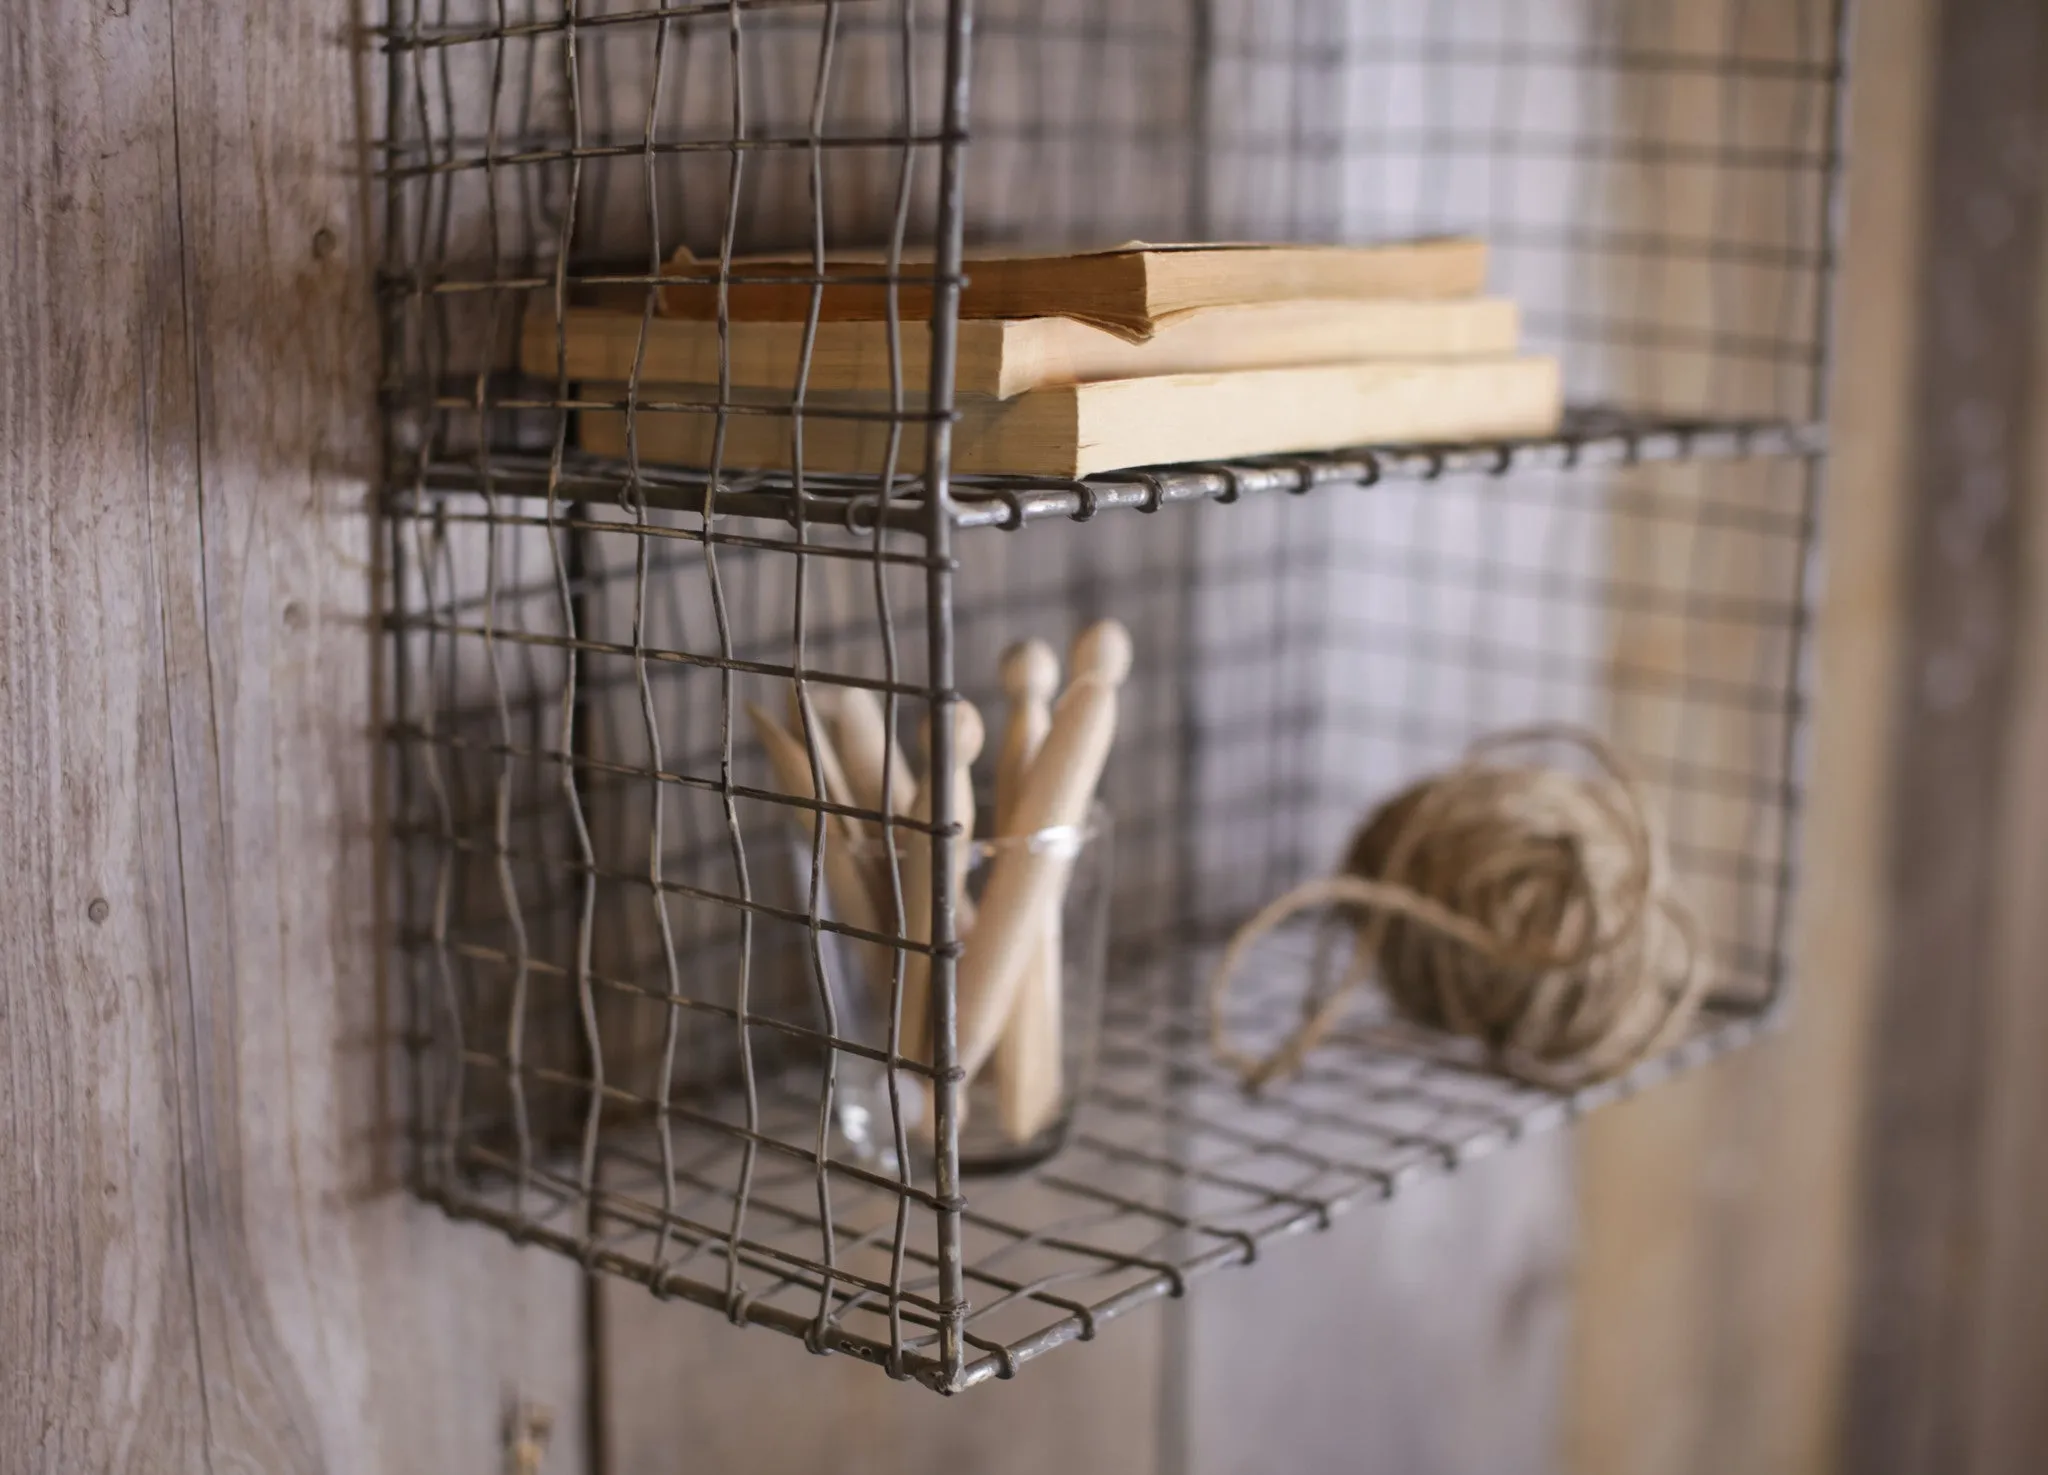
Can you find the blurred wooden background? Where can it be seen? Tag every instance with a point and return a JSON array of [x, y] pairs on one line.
[[1821, 1256]]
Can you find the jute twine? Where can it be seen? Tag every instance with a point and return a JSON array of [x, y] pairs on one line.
[[1528, 907]]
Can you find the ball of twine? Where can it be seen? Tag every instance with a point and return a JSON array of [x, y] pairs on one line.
[[1529, 907]]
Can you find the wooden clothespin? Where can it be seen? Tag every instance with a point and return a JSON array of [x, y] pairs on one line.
[[1026, 882], [1027, 1063]]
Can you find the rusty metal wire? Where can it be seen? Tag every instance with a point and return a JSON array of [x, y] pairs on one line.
[[629, 1047]]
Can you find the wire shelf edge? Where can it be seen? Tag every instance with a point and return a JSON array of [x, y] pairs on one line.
[[1589, 438]]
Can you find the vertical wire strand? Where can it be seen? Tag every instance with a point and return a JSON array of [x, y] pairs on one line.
[[556, 532], [1702, 545], [1806, 217], [533, 203], [429, 556], [1655, 106], [433, 1151], [494, 535], [893, 327], [945, 311], [828, 1005], [649, 716], [1797, 674], [735, 1291], [436, 226], [1508, 98], [1774, 820], [574, 575]]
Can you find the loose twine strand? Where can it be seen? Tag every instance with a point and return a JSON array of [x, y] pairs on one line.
[[1528, 907]]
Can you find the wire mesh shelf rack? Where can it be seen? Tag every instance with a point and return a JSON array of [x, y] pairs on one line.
[[627, 1047]]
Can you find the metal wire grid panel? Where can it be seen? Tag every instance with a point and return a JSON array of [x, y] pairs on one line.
[[614, 939]]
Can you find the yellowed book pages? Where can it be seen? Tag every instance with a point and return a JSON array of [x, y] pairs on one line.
[[1130, 290], [1003, 358], [1085, 428]]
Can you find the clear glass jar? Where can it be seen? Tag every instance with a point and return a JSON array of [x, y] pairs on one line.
[[1020, 1099]]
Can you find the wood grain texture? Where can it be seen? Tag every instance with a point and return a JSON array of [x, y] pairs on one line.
[[2008, 1355], [1949, 1179], [98, 403], [199, 1106], [1717, 1214], [1423, 1335], [685, 1391]]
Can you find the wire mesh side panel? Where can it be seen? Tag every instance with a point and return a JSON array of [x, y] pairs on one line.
[[1357, 640], [1663, 607], [1654, 181], [636, 997], [1653, 177], [638, 1029]]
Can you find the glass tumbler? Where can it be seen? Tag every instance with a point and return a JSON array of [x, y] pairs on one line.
[[1020, 1098]]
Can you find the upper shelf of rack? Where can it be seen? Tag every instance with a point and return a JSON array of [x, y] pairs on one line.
[[1590, 437]]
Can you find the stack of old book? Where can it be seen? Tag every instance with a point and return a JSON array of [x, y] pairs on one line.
[[1066, 364]]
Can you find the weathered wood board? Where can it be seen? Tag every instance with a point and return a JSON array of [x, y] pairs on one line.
[[211, 1264]]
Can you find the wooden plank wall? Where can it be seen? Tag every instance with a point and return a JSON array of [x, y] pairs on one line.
[[2005, 1416], [1949, 1352], [199, 1102], [210, 1263], [1825, 1255], [1717, 1216], [1423, 1335]]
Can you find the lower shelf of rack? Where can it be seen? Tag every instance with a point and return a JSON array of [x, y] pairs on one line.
[[1171, 1174]]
